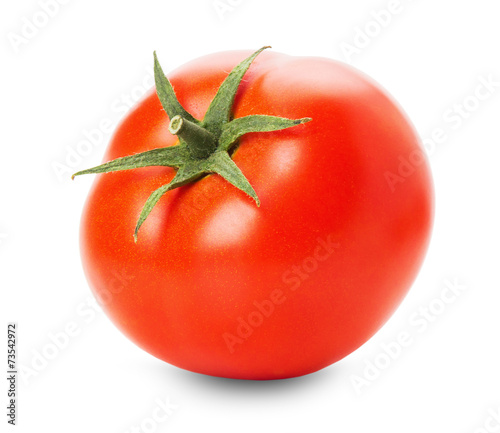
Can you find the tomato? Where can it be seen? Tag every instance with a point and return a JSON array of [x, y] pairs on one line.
[[218, 285]]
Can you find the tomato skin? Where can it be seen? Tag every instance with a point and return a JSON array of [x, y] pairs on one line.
[[338, 244]]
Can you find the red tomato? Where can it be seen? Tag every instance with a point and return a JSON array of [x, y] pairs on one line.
[[220, 286]]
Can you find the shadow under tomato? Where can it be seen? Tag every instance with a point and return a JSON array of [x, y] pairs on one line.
[[234, 386]]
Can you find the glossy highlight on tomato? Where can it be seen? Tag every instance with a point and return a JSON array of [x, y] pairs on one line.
[[219, 285]]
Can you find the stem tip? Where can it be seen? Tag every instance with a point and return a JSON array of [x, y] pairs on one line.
[[176, 124]]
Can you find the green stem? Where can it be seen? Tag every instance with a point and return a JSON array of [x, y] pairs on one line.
[[204, 145], [200, 142]]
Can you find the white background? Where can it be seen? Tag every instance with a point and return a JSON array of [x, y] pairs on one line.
[[68, 76]]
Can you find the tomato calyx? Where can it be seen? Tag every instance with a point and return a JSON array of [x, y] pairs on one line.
[[204, 145]]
